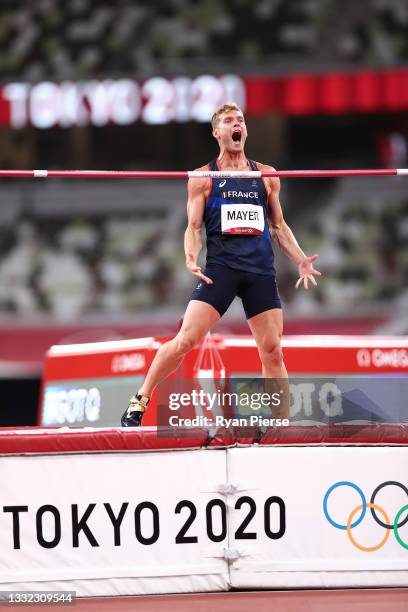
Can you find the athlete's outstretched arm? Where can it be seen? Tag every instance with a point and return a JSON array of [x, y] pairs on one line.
[[197, 189], [284, 237]]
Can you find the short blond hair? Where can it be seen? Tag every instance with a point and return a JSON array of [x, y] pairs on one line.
[[225, 108]]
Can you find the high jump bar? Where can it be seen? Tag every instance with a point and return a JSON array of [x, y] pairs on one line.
[[186, 174]]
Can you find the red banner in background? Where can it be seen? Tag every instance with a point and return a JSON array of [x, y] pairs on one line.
[[329, 93]]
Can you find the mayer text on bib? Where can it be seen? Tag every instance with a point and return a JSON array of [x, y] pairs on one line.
[[242, 219]]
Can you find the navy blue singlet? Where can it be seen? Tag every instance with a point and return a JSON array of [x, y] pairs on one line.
[[236, 223]]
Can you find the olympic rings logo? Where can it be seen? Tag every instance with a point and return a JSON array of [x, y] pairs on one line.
[[375, 510]]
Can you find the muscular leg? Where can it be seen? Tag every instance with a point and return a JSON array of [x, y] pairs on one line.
[[267, 328], [199, 318]]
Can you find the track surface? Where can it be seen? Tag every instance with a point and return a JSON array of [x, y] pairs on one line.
[[352, 600]]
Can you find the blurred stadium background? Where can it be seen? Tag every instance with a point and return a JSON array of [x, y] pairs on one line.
[[91, 84]]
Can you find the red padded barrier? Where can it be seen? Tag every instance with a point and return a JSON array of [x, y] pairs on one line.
[[49, 441], [38, 440], [371, 433]]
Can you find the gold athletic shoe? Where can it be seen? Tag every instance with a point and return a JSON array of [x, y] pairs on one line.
[[136, 409]]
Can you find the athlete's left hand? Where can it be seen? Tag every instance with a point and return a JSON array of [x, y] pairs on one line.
[[306, 272]]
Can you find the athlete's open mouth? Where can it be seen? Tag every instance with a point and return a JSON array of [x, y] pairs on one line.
[[236, 136]]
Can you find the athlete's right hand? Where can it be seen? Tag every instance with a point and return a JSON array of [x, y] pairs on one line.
[[196, 270]]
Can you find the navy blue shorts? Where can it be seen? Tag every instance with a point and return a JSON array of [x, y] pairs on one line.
[[258, 292]]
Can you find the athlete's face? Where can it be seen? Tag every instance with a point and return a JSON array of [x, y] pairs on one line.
[[231, 131]]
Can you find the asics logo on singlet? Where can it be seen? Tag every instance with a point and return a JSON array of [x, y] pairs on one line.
[[222, 183], [240, 194]]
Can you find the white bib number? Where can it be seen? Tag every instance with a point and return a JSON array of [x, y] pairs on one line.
[[242, 219]]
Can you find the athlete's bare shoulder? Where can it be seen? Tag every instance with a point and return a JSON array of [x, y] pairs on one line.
[[265, 167], [197, 185], [271, 181]]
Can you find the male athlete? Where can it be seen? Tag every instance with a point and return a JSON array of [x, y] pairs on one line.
[[240, 216]]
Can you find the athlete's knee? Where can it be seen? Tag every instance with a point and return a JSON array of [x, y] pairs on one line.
[[185, 340], [270, 352]]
